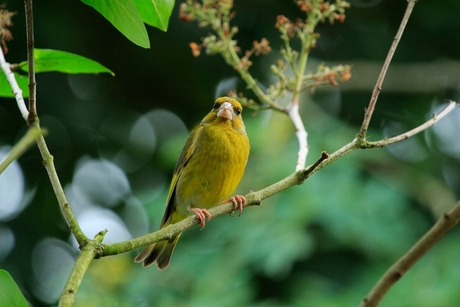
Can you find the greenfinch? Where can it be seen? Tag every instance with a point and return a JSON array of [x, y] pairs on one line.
[[209, 168]]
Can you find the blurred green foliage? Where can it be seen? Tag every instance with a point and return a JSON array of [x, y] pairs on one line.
[[115, 141]]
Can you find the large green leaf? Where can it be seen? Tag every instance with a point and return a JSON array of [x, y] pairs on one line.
[[5, 88], [156, 12], [124, 15], [10, 295], [55, 60]]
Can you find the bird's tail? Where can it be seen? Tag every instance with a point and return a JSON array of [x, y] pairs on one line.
[[159, 252]]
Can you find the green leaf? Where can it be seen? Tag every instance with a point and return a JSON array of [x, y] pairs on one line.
[[55, 60], [124, 16], [10, 295], [156, 12], [5, 88]]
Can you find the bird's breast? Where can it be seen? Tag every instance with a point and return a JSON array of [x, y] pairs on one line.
[[214, 169]]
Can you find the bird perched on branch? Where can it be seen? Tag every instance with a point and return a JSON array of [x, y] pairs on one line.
[[208, 170]]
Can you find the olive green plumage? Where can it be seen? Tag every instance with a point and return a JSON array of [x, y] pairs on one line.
[[207, 172]]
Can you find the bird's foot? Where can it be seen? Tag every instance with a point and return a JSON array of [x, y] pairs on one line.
[[238, 202], [202, 215]]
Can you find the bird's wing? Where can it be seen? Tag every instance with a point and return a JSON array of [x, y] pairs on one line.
[[187, 152]]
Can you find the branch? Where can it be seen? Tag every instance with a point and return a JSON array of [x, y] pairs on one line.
[[17, 92], [252, 199], [24, 143], [434, 119], [232, 58], [301, 134], [359, 142], [445, 223], [33, 122], [255, 198], [30, 61], [88, 252], [386, 64], [307, 39], [48, 163]]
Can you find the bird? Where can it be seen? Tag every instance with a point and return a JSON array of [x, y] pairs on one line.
[[206, 174]]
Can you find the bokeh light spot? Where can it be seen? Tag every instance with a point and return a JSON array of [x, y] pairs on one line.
[[101, 181], [410, 150], [444, 136], [130, 140], [52, 262], [11, 188], [93, 220], [7, 241]]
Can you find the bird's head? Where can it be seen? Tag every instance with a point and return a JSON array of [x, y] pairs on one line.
[[226, 111]]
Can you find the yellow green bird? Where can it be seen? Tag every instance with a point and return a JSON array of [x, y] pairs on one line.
[[208, 170]]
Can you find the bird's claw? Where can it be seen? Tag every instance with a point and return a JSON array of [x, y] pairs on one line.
[[238, 202], [202, 215]]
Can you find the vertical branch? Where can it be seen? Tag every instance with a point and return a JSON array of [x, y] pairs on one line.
[[386, 64], [32, 117], [32, 120], [307, 38], [292, 109], [301, 134], [88, 252], [84, 259]]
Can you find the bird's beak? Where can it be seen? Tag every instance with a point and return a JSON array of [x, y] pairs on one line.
[[225, 111]]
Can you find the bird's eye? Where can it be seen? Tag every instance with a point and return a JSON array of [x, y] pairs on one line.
[[237, 111], [217, 105]]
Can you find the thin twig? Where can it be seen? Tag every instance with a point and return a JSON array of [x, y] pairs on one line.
[[446, 222], [17, 92], [434, 119], [20, 147], [386, 64], [358, 142], [30, 61], [233, 59]]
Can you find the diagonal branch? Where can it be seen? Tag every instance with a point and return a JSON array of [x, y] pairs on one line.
[[17, 92], [20, 147], [255, 198], [434, 119], [445, 223], [386, 64]]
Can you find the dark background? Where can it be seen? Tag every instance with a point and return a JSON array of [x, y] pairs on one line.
[[115, 141]]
